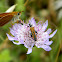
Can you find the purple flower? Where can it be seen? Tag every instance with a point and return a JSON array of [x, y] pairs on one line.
[[24, 35]]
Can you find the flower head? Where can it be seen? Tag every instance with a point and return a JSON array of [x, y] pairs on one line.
[[32, 34]]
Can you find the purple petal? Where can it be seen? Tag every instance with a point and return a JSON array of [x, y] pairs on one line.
[[29, 50], [32, 21], [39, 22], [53, 33], [46, 48], [49, 31], [21, 41], [12, 31], [49, 42], [45, 26], [39, 27], [10, 37]]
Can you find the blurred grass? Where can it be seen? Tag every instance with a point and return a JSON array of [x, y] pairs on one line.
[[4, 56], [41, 10]]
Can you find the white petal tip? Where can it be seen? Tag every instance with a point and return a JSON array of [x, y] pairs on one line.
[[29, 51]]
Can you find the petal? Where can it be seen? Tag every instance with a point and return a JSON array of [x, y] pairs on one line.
[[39, 26], [46, 48], [15, 27], [29, 50], [10, 37], [39, 22], [39, 44], [45, 26], [53, 33], [21, 41], [12, 31], [49, 42], [32, 21], [49, 31]]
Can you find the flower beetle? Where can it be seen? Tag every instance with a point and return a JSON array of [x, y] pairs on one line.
[[33, 32]]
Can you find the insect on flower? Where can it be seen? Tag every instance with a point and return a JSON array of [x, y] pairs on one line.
[[33, 32], [6, 17]]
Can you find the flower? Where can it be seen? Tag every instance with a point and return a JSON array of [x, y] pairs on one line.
[[32, 34]]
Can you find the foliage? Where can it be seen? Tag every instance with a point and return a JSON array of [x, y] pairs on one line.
[[5, 56]]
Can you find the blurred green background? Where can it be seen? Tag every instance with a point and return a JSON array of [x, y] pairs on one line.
[[41, 10]]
